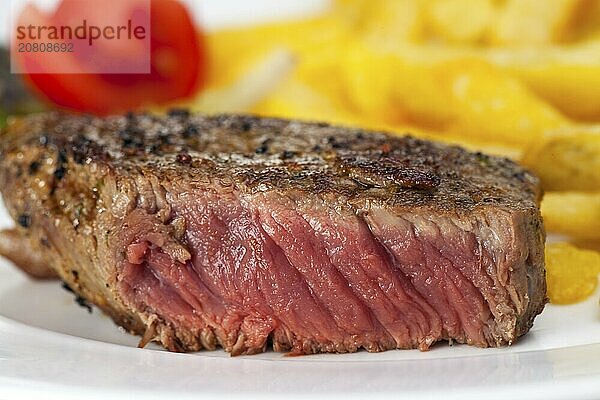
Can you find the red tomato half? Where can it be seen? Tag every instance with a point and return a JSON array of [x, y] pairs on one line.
[[177, 61]]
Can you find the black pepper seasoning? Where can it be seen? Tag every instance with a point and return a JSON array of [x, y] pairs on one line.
[[24, 220], [60, 172], [189, 131], [34, 167], [184, 158]]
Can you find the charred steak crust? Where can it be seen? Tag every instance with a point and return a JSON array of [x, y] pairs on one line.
[[237, 231]]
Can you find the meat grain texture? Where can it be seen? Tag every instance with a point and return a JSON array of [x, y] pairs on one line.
[[245, 233]]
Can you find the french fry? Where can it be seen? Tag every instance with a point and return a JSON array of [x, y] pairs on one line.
[[567, 160], [495, 107], [574, 214], [526, 22], [234, 51], [461, 21], [567, 77], [297, 100], [384, 22], [588, 22], [462, 96], [589, 244], [571, 273], [385, 87], [573, 89]]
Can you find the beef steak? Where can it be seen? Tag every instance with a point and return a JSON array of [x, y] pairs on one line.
[[242, 232]]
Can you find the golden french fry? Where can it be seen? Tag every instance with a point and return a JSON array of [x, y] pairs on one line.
[[575, 214], [297, 100], [461, 96], [450, 91], [384, 87], [389, 22], [587, 26], [495, 107], [234, 51], [589, 244], [537, 21], [571, 273], [567, 160], [572, 88], [464, 21], [568, 76]]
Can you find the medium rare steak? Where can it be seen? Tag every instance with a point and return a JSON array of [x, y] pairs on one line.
[[241, 232]]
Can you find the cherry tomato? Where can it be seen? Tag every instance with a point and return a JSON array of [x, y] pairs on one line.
[[177, 59]]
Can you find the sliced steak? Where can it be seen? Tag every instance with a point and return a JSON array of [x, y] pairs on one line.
[[16, 247], [240, 232]]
